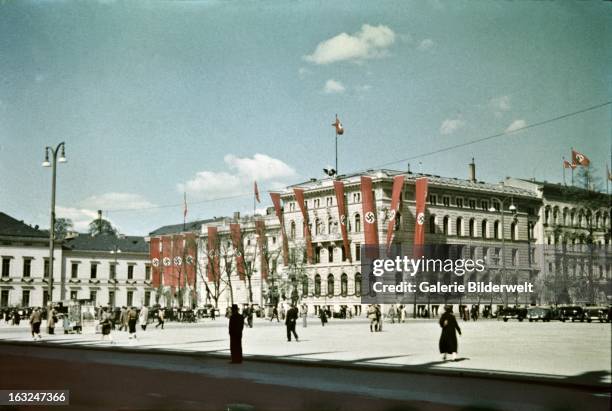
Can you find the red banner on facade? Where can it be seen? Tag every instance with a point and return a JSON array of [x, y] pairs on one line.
[[276, 200], [155, 262], [299, 197], [419, 226], [339, 189], [212, 249], [262, 242], [236, 235], [394, 210], [166, 260], [175, 279], [370, 225], [191, 255]]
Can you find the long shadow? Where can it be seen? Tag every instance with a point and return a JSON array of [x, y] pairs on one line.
[[379, 358], [309, 353]]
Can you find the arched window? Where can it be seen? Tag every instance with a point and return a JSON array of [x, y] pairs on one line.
[[459, 226], [556, 215], [547, 215], [318, 227], [317, 286], [292, 230], [572, 217], [513, 231], [484, 228], [344, 285], [330, 285], [357, 223], [564, 222], [446, 225], [497, 230], [432, 224], [358, 284], [305, 286], [472, 227]]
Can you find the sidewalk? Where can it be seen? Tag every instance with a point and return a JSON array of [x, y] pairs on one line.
[[551, 353]]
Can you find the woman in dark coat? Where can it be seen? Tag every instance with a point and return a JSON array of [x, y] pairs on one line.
[[448, 339]]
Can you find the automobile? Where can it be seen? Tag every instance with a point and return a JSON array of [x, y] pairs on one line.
[[513, 313], [596, 314], [543, 314], [573, 313]]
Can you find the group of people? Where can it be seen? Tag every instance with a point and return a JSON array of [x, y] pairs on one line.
[[128, 317]]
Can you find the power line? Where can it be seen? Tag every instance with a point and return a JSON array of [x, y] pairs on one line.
[[491, 137], [210, 200]]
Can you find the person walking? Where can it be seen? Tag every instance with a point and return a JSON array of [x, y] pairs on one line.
[[143, 318], [122, 319], [448, 338], [160, 318], [52, 319], [35, 320], [304, 315], [212, 314], [132, 319], [323, 317], [106, 324], [249, 316], [372, 316], [236, 324], [274, 314], [290, 320]]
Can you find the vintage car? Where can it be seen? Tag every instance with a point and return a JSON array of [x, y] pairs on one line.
[[513, 313], [573, 313], [543, 314], [596, 314]]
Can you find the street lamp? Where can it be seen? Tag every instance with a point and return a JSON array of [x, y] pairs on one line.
[[115, 251], [512, 208], [53, 165]]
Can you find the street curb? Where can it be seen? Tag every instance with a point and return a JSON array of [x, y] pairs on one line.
[[567, 382]]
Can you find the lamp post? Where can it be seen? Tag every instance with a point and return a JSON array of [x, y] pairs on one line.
[[512, 208], [53, 165], [115, 251]]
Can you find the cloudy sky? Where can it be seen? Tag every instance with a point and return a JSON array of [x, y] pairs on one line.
[[157, 98]]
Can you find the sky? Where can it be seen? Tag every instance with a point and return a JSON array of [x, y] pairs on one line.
[[155, 99]]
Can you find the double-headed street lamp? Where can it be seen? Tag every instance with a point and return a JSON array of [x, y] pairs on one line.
[[53, 165]]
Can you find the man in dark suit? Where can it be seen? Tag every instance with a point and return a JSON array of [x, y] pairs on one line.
[[290, 320], [236, 324]]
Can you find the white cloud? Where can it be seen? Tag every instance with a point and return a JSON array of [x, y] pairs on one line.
[[369, 42], [450, 125], [116, 201], [81, 217], [516, 124], [333, 86], [426, 45], [262, 168]]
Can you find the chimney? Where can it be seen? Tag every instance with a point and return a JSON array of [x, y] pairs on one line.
[[472, 171], [236, 215]]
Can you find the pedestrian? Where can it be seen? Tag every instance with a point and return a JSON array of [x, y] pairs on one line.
[[160, 318], [132, 319], [236, 324], [323, 317], [282, 312], [51, 320], [274, 314], [391, 314], [212, 314], [249, 315], [122, 319], [448, 339], [372, 316], [17, 318], [304, 315], [290, 320], [143, 317], [35, 320], [106, 324]]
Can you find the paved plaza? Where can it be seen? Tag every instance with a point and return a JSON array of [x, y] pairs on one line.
[[578, 351]]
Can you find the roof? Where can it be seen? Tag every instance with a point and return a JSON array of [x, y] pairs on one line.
[[15, 228], [181, 228], [107, 242], [434, 180]]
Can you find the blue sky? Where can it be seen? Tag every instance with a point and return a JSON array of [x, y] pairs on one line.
[[154, 98]]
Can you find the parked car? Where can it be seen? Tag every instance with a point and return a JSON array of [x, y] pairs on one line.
[[596, 314], [513, 313], [543, 314], [573, 313]]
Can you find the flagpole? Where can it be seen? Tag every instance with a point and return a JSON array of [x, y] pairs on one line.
[[563, 165], [336, 131]]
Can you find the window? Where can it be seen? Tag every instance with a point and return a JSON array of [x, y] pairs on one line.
[[515, 257], [4, 298], [111, 298], [433, 199], [484, 205], [147, 298], [356, 197], [317, 203], [330, 254], [93, 271], [130, 273], [513, 231], [147, 273], [329, 201], [292, 206], [459, 226], [74, 270], [357, 252], [497, 230], [472, 227], [46, 268], [25, 298], [93, 297], [344, 285], [459, 202], [305, 286], [330, 285], [343, 251], [27, 267], [292, 230], [358, 284], [446, 201], [357, 223], [317, 255], [113, 271], [130, 298], [6, 266], [317, 285], [432, 224], [483, 229], [472, 204], [74, 295]]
